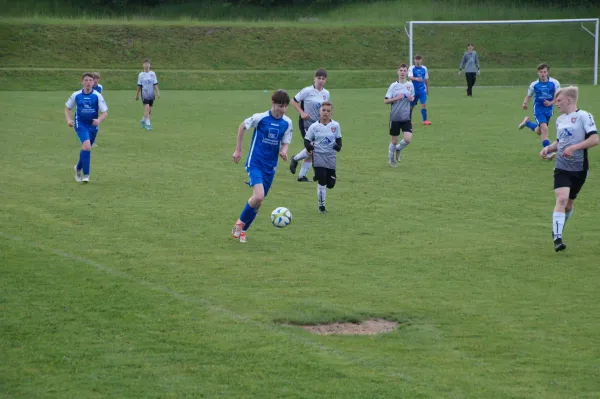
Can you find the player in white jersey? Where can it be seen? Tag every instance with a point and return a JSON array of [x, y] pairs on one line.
[[148, 85], [575, 132], [324, 139], [307, 102], [400, 94]]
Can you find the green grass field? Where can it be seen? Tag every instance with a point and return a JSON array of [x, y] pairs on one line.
[[131, 286]]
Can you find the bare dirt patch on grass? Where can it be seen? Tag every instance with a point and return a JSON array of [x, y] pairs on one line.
[[367, 327]]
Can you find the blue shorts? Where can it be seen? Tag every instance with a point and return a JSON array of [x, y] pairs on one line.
[[258, 176], [543, 114], [86, 132], [419, 97]]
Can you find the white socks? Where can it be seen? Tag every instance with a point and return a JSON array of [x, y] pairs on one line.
[[301, 155], [558, 223], [402, 145], [391, 151], [304, 169], [321, 194]]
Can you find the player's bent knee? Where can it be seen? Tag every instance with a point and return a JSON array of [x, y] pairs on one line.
[[86, 146], [331, 182]]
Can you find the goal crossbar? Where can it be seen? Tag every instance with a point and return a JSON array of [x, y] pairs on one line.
[[409, 32]]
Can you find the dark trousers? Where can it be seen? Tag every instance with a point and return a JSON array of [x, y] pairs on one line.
[[471, 78]]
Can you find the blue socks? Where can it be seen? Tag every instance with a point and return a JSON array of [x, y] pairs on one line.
[[248, 215], [531, 125], [424, 114], [84, 161], [545, 143]]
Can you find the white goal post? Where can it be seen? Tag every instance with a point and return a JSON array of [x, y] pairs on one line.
[[409, 32]]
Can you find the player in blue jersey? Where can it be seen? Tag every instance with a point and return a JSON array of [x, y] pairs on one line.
[[419, 77], [544, 89], [98, 87], [270, 140], [91, 111]]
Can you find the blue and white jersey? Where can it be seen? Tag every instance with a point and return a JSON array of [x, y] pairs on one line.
[[269, 133], [88, 106], [418, 72], [98, 88], [543, 91]]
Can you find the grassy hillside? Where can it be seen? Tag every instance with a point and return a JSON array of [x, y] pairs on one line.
[[360, 40], [232, 48]]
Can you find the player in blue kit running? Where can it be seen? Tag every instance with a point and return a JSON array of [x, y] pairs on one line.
[[419, 77], [91, 110], [544, 89], [270, 140], [98, 87]]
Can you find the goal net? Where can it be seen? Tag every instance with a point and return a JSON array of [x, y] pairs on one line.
[[509, 51]]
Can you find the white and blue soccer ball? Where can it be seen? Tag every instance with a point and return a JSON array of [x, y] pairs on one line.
[[281, 217]]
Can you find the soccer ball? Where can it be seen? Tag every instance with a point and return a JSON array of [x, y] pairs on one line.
[[281, 217]]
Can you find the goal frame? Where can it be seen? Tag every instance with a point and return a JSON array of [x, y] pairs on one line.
[[410, 34]]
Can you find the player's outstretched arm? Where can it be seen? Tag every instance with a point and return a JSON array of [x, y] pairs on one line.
[[237, 154]]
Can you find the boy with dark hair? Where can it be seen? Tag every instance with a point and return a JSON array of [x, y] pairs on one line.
[[271, 138], [307, 102]]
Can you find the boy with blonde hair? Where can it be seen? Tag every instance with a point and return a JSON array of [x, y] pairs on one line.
[[575, 132]]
